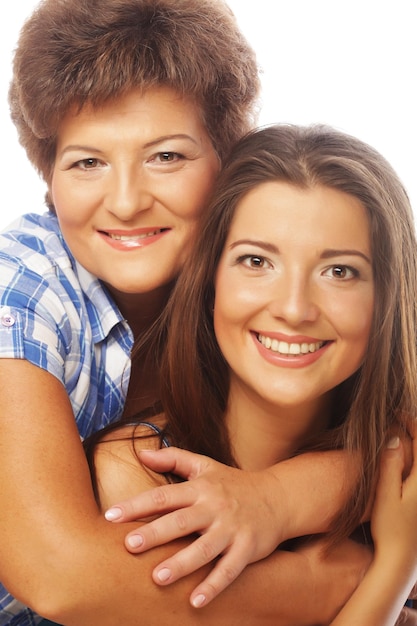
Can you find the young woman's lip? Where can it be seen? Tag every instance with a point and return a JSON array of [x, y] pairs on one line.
[[288, 338], [304, 356]]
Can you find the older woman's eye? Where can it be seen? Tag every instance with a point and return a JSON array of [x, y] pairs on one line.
[[87, 164], [168, 157]]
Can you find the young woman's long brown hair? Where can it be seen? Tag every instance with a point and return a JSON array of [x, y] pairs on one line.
[[383, 392]]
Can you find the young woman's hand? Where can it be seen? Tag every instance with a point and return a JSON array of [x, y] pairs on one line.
[[394, 515], [233, 511], [379, 599]]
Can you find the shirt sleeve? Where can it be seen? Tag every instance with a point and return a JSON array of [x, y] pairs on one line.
[[33, 319]]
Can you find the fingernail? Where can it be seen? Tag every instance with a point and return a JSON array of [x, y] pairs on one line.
[[134, 541], [198, 601], [113, 514], [164, 574], [393, 443]]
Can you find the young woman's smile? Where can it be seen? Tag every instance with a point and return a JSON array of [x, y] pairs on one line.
[[289, 351], [129, 181], [294, 292]]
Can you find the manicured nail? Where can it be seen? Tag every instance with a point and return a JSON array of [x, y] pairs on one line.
[[113, 514], [198, 601], [134, 541], [393, 443], [164, 574]]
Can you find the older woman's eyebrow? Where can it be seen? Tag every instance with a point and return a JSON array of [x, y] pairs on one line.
[[78, 148], [149, 144], [155, 142]]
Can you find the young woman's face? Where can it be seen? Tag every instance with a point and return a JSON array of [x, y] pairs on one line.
[[128, 184], [294, 292]]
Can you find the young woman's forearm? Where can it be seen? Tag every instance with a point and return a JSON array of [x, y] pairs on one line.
[[378, 600]]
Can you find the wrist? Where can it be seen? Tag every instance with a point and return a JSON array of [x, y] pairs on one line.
[[276, 500], [336, 572], [297, 513], [395, 563]]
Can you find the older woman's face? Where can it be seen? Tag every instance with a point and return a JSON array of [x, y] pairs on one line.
[[129, 181], [294, 293]]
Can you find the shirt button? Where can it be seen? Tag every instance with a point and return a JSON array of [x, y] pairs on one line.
[[7, 319]]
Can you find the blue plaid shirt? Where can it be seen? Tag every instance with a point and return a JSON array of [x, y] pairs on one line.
[[58, 316]]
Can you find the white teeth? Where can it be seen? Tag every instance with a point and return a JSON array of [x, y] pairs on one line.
[[134, 237], [289, 349]]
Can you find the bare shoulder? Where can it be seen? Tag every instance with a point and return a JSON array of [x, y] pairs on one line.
[[120, 474]]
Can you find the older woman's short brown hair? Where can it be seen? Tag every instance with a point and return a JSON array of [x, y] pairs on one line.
[[73, 52]]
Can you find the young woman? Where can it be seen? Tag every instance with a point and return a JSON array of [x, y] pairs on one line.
[[126, 108], [294, 329]]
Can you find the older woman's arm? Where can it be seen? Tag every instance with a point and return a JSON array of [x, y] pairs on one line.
[[296, 497], [62, 558]]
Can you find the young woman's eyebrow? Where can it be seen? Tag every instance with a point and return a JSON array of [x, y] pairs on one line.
[[330, 253], [326, 254], [268, 247]]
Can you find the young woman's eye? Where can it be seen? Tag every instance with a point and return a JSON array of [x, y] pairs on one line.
[[254, 261], [341, 272]]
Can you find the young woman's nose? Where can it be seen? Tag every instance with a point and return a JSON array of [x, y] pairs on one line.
[[128, 193], [294, 300]]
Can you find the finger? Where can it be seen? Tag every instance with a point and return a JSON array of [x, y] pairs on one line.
[[391, 466], [226, 570], [410, 482], [152, 502], [202, 551], [176, 461], [412, 429], [179, 523], [413, 435]]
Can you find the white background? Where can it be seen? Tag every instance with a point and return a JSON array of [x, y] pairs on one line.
[[351, 64]]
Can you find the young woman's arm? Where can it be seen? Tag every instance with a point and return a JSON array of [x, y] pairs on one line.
[[62, 558], [380, 597]]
